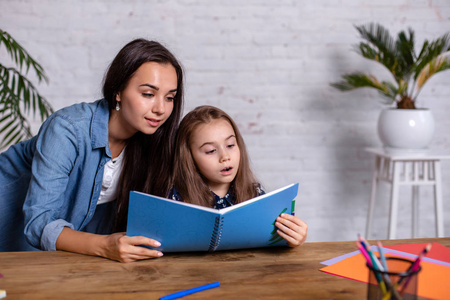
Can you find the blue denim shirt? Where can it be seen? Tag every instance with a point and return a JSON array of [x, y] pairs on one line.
[[67, 159]]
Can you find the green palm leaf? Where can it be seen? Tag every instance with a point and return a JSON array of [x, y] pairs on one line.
[[379, 46], [18, 96], [405, 54], [410, 71], [435, 66], [360, 80], [21, 56], [430, 51]]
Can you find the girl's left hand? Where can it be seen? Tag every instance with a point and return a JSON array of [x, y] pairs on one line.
[[292, 229]]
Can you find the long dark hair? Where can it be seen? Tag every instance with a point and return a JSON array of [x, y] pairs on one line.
[[187, 178], [147, 158]]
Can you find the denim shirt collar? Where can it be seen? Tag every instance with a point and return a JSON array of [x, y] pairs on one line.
[[99, 128]]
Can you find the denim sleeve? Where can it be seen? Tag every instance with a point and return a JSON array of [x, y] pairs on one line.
[[45, 204], [51, 233]]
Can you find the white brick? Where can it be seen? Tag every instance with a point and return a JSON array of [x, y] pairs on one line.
[[269, 65]]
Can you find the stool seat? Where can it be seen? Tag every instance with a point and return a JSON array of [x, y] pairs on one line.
[[411, 168]]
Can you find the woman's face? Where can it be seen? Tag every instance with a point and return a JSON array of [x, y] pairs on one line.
[[147, 101]]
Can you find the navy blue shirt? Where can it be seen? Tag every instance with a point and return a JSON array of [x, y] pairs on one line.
[[219, 202]]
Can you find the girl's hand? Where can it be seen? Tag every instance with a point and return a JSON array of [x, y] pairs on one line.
[[126, 248], [292, 229]]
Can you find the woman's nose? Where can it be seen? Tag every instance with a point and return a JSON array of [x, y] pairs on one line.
[[158, 106]]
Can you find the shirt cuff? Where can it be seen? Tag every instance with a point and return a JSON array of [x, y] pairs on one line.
[[51, 233]]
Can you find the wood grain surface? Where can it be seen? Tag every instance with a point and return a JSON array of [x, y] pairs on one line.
[[267, 273]]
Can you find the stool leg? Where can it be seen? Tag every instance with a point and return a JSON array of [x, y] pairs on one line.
[[373, 196], [394, 200], [438, 200], [415, 209]]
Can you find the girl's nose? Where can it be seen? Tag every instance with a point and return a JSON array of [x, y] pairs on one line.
[[224, 155]]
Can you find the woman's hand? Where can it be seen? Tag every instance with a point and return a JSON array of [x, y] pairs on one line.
[[116, 246], [292, 229], [126, 248]]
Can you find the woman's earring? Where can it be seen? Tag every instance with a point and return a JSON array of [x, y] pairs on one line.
[[117, 106]]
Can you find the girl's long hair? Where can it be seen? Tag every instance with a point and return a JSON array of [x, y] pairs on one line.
[[187, 178], [148, 158]]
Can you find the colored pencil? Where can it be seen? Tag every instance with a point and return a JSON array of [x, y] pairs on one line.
[[414, 267], [372, 261], [382, 257]]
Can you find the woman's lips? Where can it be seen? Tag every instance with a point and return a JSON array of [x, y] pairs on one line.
[[153, 122]]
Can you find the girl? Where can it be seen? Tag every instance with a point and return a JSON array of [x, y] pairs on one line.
[[212, 168], [74, 177]]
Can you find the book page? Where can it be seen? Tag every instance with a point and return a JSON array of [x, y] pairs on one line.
[[225, 210]]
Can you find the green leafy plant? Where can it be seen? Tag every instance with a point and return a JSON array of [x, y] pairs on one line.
[[410, 71], [18, 96]]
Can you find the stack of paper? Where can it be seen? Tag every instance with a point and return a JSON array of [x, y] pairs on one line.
[[433, 279]]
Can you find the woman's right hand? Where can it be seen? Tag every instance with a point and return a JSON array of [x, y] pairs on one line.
[[116, 246], [125, 248]]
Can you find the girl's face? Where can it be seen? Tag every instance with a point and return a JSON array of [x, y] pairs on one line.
[[216, 153], [147, 101]]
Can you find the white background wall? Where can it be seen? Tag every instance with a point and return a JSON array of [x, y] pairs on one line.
[[269, 65]]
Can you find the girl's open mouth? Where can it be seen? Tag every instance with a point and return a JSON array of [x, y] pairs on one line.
[[226, 170]]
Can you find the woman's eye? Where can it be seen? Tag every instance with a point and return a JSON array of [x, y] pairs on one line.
[[147, 94], [170, 99]]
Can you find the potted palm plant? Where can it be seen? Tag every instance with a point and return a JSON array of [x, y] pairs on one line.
[[402, 124], [18, 96]]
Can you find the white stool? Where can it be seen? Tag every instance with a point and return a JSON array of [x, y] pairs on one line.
[[407, 168]]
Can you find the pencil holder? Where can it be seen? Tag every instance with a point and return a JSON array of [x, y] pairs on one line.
[[398, 283]]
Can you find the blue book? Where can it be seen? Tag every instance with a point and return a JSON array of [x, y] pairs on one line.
[[182, 227]]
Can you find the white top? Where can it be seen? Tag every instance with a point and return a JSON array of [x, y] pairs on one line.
[[409, 154], [111, 176]]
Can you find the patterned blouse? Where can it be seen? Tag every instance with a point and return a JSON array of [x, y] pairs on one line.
[[219, 202]]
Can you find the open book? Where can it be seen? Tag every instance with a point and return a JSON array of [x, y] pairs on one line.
[[181, 227]]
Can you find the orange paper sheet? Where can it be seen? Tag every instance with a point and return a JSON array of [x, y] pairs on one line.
[[433, 279]]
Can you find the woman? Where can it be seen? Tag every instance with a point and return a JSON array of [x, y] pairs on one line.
[[74, 177]]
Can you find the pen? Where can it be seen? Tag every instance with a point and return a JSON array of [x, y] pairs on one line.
[[190, 291], [293, 208]]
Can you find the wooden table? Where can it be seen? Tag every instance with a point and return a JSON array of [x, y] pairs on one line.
[[268, 273]]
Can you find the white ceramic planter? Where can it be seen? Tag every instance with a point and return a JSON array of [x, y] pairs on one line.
[[406, 128]]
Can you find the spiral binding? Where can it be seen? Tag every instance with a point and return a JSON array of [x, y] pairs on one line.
[[216, 235]]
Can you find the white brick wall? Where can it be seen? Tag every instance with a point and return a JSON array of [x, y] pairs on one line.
[[269, 65]]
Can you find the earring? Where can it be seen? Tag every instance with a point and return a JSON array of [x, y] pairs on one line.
[[117, 106]]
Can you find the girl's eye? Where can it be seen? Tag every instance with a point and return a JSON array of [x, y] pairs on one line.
[[210, 151], [231, 145]]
